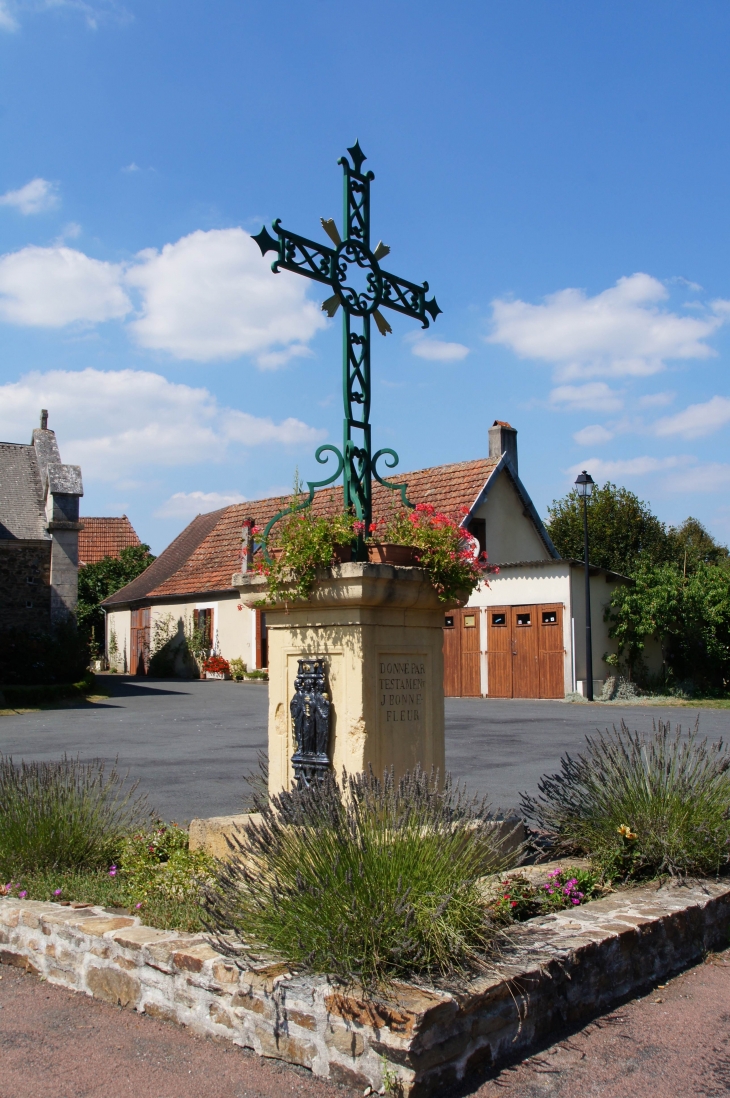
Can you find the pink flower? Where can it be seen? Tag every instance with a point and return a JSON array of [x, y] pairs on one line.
[[22, 895], [138, 905], [57, 892], [113, 871]]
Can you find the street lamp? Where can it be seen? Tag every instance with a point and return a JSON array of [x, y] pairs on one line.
[[584, 483]]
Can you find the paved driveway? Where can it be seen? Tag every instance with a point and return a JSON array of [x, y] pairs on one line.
[[191, 743]]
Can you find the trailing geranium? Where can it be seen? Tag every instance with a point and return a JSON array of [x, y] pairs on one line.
[[446, 549], [217, 665], [306, 542]]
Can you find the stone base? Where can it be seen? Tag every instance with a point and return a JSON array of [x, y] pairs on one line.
[[212, 834], [562, 969], [380, 630]]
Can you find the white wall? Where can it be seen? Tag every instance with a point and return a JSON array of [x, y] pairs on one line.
[[511, 533], [232, 627], [119, 622], [602, 588]]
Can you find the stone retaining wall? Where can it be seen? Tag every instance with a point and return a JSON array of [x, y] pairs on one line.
[[560, 970]]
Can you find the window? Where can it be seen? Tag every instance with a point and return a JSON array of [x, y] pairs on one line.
[[478, 529], [523, 619], [499, 619], [203, 622], [28, 604], [31, 579], [549, 617], [448, 623], [470, 621]]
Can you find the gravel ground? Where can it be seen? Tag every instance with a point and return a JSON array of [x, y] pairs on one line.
[[674, 1041]]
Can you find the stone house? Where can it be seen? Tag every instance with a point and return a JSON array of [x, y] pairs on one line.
[[521, 635], [39, 532]]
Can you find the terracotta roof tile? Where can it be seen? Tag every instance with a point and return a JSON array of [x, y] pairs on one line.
[[214, 559], [168, 562], [105, 537]]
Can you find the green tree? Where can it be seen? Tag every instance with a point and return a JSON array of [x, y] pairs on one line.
[[688, 613], [624, 534], [98, 581], [692, 545]]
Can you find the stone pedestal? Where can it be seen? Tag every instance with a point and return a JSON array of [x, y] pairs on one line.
[[380, 630]]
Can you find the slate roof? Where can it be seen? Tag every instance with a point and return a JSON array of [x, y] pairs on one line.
[[22, 513], [105, 537], [207, 553]]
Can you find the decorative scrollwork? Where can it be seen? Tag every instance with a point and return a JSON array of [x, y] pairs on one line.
[[403, 487], [353, 255], [312, 485]]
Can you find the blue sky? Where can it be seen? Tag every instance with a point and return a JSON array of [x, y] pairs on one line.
[[556, 171]]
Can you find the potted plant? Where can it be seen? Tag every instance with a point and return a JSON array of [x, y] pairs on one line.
[[305, 543], [215, 667]]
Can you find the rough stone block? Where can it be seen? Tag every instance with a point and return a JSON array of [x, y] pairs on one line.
[[113, 986], [300, 1018], [137, 937], [18, 960], [101, 925], [160, 1011], [281, 1046], [220, 1016], [225, 973], [193, 959], [347, 1041]]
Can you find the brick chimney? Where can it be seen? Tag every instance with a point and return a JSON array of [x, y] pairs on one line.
[[503, 440]]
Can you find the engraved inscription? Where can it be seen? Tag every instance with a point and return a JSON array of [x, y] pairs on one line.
[[401, 689]]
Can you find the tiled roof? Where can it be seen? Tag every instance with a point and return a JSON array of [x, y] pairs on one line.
[[207, 563], [21, 494], [168, 562], [105, 537]]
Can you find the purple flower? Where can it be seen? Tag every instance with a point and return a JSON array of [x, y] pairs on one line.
[[22, 895], [576, 901], [138, 905], [57, 892], [113, 871]]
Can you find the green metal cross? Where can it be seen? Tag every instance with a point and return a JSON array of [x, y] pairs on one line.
[[362, 288]]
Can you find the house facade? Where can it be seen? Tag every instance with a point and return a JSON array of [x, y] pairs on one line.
[[522, 633], [39, 532]]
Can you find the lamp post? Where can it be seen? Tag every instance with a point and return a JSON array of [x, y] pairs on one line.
[[584, 483]]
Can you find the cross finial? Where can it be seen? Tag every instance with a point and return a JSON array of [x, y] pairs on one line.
[[358, 156]]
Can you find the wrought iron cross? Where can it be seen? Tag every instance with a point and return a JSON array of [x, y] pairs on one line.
[[362, 288]]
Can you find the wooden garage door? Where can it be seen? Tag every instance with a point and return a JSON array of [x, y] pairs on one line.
[[525, 654], [462, 678], [552, 651]]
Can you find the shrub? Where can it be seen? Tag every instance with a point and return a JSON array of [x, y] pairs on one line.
[[217, 665], [382, 881], [63, 815], [238, 668], [640, 806]]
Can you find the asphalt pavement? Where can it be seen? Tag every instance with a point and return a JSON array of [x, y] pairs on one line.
[[190, 744]]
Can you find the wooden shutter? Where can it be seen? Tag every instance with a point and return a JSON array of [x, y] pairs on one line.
[[471, 686], [452, 655]]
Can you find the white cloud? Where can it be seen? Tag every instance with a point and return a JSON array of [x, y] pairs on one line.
[[189, 504], [51, 287], [619, 332], [595, 396], [131, 167], [629, 467], [7, 22], [436, 350], [697, 420], [35, 197], [594, 435], [208, 297], [211, 296], [656, 400], [119, 422], [713, 477]]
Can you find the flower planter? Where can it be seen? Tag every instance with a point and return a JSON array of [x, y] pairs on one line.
[[342, 554], [405, 556], [217, 674]]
